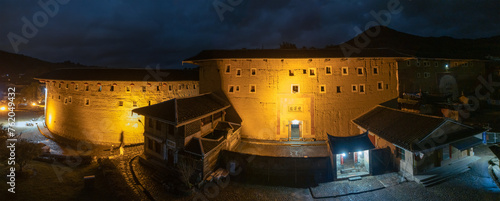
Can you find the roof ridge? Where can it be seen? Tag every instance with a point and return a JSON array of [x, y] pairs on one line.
[[424, 115]]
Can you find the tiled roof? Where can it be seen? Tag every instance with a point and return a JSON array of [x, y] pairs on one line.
[[201, 146], [109, 74], [293, 54], [340, 145], [413, 131], [180, 110]]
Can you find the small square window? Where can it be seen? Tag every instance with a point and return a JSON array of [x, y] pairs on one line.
[[380, 86], [253, 88], [375, 70], [69, 99], [228, 69], [230, 89], [418, 75], [179, 87], [59, 85], [76, 86], [408, 62], [87, 101], [112, 88], [158, 88], [466, 64], [134, 103], [253, 71], [304, 71], [194, 86], [170, 87], [322, 88], [312, 72], [290, 72], [436, 64], [65, 100], [362, 88], [127, 88], [87, 88], [418, 63], [328, 70], [59, 97], [120, 103], [238, 72], [144, 89], [67, 86], [386, 86], [345, 71], [359, 70], [237, 88], [295, 88], [339, 89], [187, 86], [354, 88]]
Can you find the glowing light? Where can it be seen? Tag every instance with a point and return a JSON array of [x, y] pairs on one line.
[[2, 108], [446, 66], [295, 122], [50, 118], [34, 104], [343, 155], [360, 152]]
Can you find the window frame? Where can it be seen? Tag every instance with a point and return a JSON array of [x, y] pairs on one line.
[[362, 71], [322, 89], [345, 70], [254, 88], [362, 86], [227, 69], [292, 90], [328, 70], [253, 71], [375, 68], [381, 84], [230, 89], [238, 72], [354, 88]]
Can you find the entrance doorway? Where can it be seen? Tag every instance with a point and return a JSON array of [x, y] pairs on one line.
[[295, 130]]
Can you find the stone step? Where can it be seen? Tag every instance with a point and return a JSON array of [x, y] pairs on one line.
[[444, 177]]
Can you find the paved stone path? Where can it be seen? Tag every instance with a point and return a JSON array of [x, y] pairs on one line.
[[346, 187]]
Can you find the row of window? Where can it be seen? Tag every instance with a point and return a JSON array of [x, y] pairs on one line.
[[436, 64], [69, 100], [295, 88], [426, 75], [311, 72], [129, 88]]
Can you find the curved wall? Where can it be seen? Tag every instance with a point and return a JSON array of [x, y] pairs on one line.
[[101, 116]]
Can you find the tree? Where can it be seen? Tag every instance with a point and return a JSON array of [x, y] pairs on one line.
[[30, 93], [187, 168], [287, 45], [25, 152]]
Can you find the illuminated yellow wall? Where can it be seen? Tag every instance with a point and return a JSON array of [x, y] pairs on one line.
[[103, 119], [266, 113]]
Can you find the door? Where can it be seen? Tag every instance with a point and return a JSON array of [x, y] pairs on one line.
[[295, 130]]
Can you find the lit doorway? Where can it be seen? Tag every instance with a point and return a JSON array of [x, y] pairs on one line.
[[295, 129]]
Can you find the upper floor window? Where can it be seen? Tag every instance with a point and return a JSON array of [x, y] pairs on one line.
[[134, 104], [230, 89], [253, 71], [158, 88], [170, 87], [253, 88], [380, 86], [339, 89], [87, 88], [345, 71], [67, 86], [304, 71], [112, 88], [322, 88], [99, 89], [237, 88], [127, 88], [76, 86], [328, 70], [436, 64], [295, 88], [238, 72], [375, 70], [228, 69], [120, 103], [59, 85], [354, 88], [144, 88], [87, 101], [290, 72], [312, 72], [359, 70], [362, 88], [408, 62]]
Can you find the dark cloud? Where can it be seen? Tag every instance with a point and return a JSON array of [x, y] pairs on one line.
[[123, 33]]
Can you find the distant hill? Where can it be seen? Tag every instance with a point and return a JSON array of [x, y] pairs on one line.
[[22, 69], [432, 47]]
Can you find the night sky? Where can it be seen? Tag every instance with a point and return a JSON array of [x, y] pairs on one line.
[[119, 33]]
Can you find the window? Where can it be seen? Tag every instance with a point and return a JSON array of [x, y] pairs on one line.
[[67, 86], [99, 89], [170, 87], [400, 153], [150, 122], [59, 98], [112, 88], [436, 64], [362, 88], [418, 63], [134, 103], [238, 72], [87, 101], [466, 64], [149, 103], [290, 72], [312, 72], [359, 70], [386, 86], [206, 120], [69, 99], [179, 87], [455, 64], [127, 88], [230, 89], [187, 86], [253, 72], [120, 103], [237, 88], [345, 71], [304, 71], [380, 86], [158, 88], [375, 70], [144, 88], [87, 88], [322, 89], [228, 69], [59, 85], [339, 89], [418, 75], [427, 74], [295, 88], [76, 87], [65, 100], [158, 125], [354, 88], [408, 62], [194, 86], [252, 88], [328, 70]]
